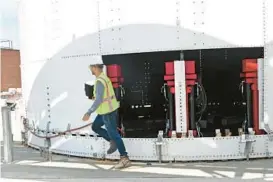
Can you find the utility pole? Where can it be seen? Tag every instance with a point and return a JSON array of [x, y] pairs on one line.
[[7, 134]]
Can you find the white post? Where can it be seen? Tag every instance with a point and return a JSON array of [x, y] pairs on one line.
[[180, 97], [7, 135]]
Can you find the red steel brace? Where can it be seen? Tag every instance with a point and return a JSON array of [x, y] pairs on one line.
[[250, 75], [169, 78], [114, 74], [191, 78]]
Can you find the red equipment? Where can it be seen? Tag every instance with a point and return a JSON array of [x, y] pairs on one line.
[[191, 78], [250, 76], [114, 74]]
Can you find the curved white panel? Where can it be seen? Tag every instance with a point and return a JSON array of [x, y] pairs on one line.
[[32, 41], [145, 149], [209, 149], [79, 19], [69, 20], [61, 85], [268, 13], [46, 28], [238, 22], [119, 17], [32, 30], [143, 26]]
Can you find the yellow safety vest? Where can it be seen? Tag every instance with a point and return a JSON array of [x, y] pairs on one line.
[[110, 102]]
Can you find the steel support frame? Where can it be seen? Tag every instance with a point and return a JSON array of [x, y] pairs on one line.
[[260, 62], [268, 66], [180, 97]]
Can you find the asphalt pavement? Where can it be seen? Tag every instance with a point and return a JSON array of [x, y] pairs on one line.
[[29, 166]]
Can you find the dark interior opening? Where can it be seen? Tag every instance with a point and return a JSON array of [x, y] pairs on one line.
[[226, 104], [144, 108]]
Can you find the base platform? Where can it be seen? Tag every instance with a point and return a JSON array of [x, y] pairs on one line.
[[172, 149]]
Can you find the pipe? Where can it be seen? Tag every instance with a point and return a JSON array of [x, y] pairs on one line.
[[171, 111], [192, 109], [249, 106], [256, 111], [117, 92], [7, 134]]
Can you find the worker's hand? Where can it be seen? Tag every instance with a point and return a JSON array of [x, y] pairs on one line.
[[86, 117]]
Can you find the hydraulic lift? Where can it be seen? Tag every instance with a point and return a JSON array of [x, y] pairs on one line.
[[191, 79], [250, 81]]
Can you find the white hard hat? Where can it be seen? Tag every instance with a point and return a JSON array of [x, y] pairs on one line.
[[96, 60]]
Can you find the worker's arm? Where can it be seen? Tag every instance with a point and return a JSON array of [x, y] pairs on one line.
[[98, 98]]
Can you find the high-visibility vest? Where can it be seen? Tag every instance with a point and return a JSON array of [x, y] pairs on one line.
[[110, 102]]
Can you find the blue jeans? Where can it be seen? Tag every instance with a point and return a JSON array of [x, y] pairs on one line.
[[111, 133]]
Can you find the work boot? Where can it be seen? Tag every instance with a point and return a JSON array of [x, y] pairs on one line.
[[123, 163], [113, 147]]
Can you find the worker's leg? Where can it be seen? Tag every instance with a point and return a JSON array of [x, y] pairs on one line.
[[110, 121], [97, 127]]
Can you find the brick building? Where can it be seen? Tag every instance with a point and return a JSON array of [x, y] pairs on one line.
[[10, 69]]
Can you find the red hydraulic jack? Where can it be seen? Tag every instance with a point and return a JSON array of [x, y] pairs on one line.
[[114, 74], [250, 76], [191, 78], [169, 78]]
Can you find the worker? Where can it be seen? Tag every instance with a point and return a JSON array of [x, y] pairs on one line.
[[106, 105]]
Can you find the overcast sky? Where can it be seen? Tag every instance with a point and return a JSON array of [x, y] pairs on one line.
[[9, 21]]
